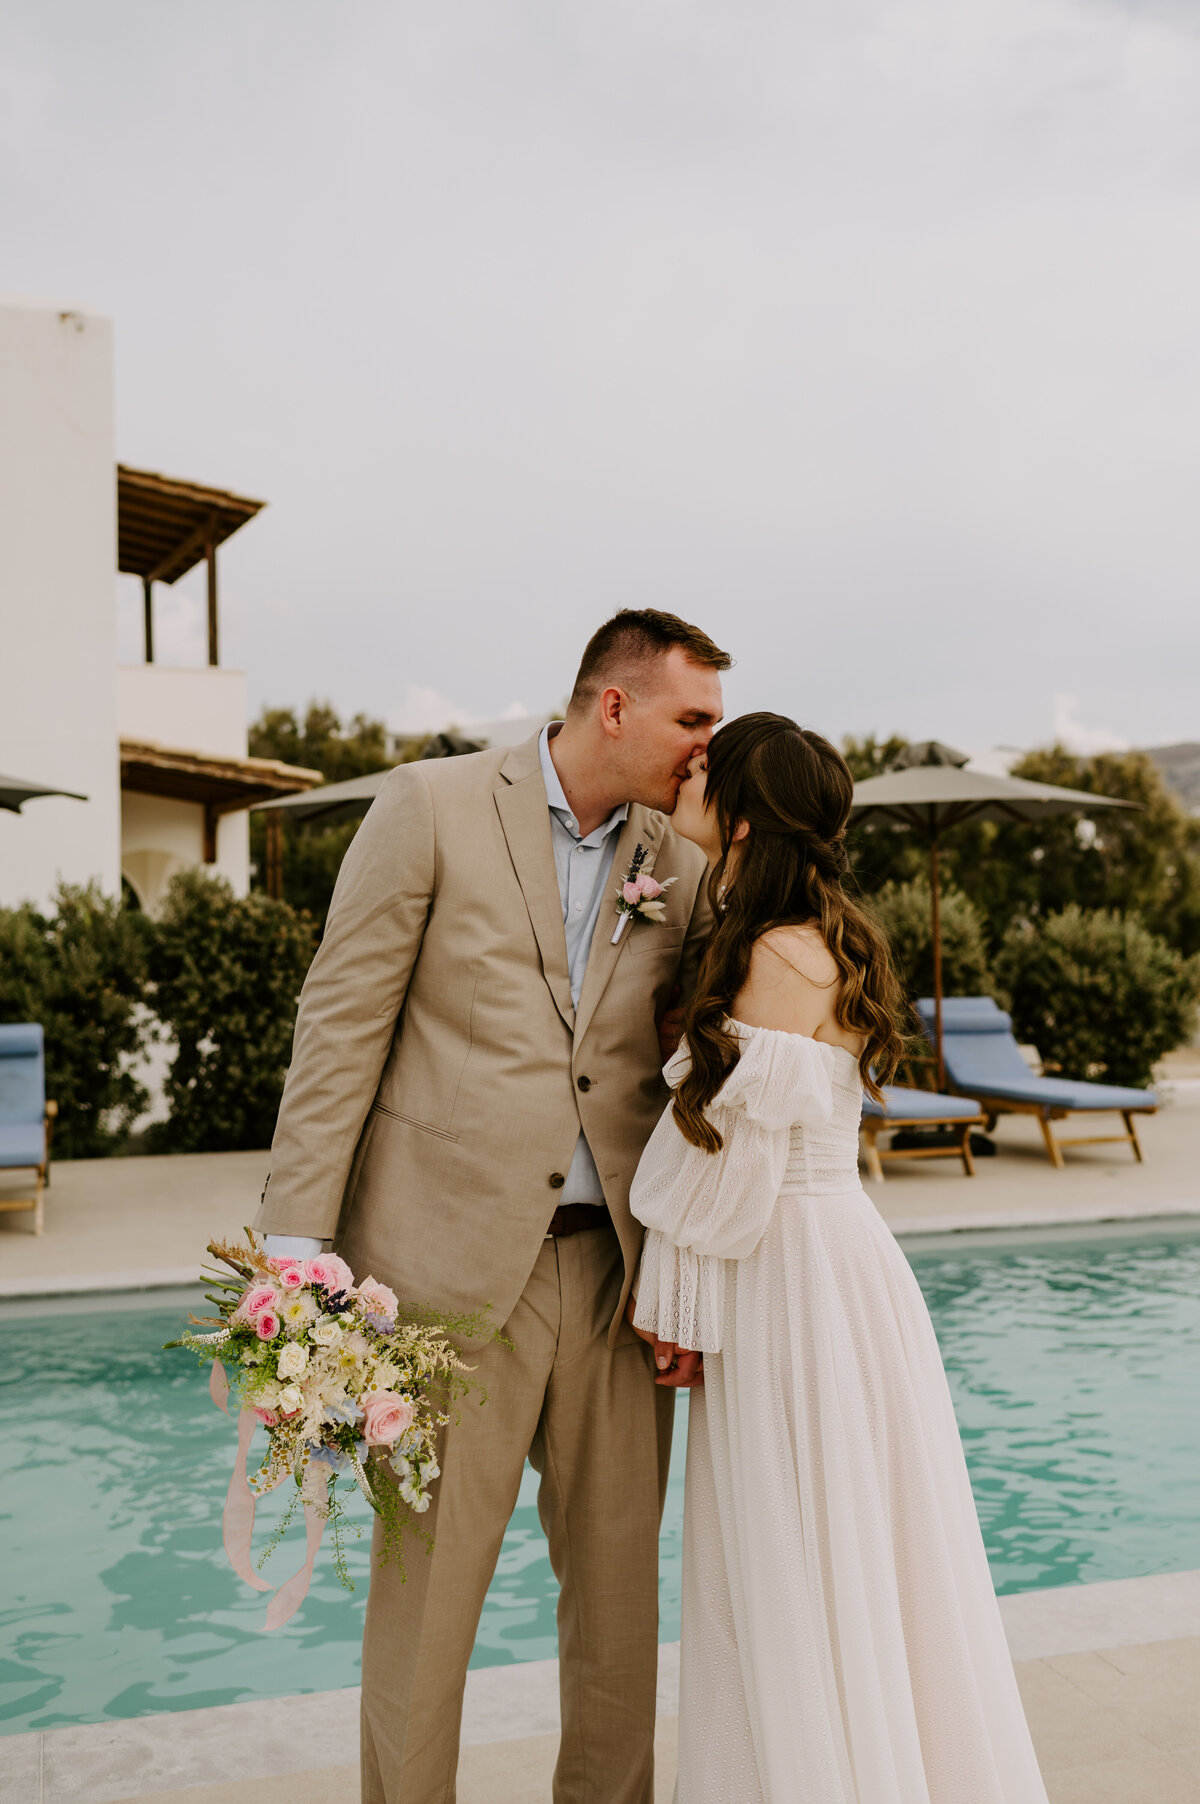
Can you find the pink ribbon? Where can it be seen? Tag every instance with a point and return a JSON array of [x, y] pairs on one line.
[[289, 1597], [238, 1519]]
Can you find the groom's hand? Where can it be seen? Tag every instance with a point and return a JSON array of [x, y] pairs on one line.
[[677, 1368], [686, 1372]]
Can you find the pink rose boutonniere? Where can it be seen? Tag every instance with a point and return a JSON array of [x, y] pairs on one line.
[[639, 897]]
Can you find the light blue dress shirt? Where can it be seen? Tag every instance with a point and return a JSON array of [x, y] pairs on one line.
[[584, 867]]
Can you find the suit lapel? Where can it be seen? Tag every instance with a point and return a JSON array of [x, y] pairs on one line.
[[525, 818], [603, 956]]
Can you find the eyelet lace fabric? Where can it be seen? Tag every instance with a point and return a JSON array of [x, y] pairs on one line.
[[841, 1640]]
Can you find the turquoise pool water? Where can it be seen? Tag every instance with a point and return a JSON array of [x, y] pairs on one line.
[[1074, 1367]]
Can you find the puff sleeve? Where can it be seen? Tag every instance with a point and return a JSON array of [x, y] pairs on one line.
[[702, 1209]]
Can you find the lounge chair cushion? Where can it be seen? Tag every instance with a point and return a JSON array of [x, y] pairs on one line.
[[22, 1075], [984, 1060], [22, 1143], [902, 1104]]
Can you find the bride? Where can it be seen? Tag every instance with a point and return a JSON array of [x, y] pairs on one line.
[[841, 1640]]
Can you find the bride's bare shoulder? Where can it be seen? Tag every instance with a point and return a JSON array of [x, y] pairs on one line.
[[802, 949], [792, 981]]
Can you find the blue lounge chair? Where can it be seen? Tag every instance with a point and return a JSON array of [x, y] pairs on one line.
[[983, 1060], [905, 1108], [25, 1115]]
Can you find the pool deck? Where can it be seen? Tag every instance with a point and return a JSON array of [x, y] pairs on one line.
[[1110, 1673]]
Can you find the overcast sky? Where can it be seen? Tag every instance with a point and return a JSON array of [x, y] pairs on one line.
[[864, 332]]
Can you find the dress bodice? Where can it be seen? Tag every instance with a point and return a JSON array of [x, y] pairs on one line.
[[823, 1161]]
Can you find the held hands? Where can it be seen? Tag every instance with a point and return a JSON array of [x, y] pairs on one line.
[[678, 1369]]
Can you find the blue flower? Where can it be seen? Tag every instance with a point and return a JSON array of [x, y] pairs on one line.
[[347, 1411]]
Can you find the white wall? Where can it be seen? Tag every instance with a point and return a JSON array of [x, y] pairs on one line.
[[57, 597], [160, 836], [187, 710]]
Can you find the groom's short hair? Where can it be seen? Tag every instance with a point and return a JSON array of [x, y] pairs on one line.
[[625, 646]]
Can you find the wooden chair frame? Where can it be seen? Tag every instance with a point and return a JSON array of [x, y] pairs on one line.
[[874, 1125], [1047, 1112], [11, 1205]]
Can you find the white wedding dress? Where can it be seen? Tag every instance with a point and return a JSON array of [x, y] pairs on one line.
[[841, 1640]]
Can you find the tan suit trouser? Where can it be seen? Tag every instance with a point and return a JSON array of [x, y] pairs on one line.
[[598, 1432]]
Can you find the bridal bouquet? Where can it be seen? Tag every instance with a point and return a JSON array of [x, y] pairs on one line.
[[341, 1387]]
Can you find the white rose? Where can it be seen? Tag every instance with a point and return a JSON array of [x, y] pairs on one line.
[[293, 1360], [327, 1334], [291, 1398]]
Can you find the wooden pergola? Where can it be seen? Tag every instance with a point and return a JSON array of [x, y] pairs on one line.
[[219, 785], [165, 527]]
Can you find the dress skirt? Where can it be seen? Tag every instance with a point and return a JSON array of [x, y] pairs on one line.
[[841, 1642]]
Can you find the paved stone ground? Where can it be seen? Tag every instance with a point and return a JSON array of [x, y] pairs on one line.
[[1116, 1727]]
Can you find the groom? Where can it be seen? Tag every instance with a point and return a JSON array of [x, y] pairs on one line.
[[476, 1070]]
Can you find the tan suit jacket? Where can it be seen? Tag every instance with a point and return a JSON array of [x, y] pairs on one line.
[[439, 1073]]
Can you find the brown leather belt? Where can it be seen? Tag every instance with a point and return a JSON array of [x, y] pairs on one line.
[[576, 1218]]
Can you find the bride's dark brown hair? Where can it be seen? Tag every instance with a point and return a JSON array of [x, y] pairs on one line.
[[794, 791]]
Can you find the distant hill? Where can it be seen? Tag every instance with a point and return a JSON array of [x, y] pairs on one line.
[[1180, 766]]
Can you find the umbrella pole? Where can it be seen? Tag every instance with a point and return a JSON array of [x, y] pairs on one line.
[[935, 893]]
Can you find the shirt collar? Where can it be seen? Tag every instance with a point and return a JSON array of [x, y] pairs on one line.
[[558, 801]]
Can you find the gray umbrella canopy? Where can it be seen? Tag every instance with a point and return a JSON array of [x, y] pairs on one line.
[[929, 790], [356, 794], [15, 791]]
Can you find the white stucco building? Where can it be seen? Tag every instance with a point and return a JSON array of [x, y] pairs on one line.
[[159, 754]]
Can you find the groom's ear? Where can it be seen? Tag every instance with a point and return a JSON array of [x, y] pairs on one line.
[[614, 704]]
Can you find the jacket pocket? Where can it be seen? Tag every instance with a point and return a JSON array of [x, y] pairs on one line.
[[649, 938], [424, 1127]]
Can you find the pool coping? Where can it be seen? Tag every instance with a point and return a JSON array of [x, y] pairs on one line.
[[99, 1763]]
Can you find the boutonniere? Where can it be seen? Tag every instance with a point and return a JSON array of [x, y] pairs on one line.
[[639, 897]]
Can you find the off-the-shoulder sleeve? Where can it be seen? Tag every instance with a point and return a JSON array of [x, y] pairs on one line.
[[701, 1209]]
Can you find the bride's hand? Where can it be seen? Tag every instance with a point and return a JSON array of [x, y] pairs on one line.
[[678, 1369], [686, 1373]]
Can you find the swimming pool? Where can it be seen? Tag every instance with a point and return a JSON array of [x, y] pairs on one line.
[[1073, 1364]]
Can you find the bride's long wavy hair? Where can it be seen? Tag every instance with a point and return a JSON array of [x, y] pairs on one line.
[[794, 791]]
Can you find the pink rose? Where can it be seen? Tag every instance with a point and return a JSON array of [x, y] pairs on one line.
[[267, 1417], [649, 888], [291, 1272], [377, 1299], [256, 1299], [631, 893], [386, 1416], [330, 1272], [267, 1324]]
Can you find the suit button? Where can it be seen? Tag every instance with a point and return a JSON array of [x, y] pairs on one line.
[[585, 1083], [557, 1180]]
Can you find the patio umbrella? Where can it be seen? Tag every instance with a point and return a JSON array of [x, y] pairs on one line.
[[929, 790], [15, 791]]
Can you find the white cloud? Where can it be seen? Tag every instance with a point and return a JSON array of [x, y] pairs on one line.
[[1070, 730]]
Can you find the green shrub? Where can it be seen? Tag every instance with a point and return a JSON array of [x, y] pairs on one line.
[[906, 910], [81, 972], [226, 974], [1098, 994]]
